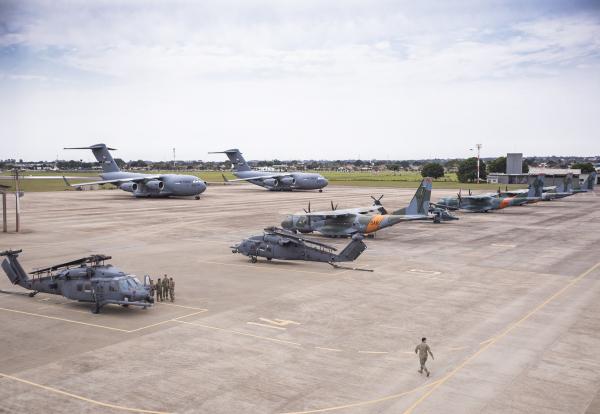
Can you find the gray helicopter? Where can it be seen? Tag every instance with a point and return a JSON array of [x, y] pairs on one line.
[[86, 280], [281, 244]]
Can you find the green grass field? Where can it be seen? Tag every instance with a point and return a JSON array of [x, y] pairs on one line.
[[356, 179]]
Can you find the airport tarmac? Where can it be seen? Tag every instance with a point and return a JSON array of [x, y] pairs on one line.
[[508, 301]]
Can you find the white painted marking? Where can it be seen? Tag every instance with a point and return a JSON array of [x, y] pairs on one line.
[[266, 326], [503, 245], [430, 272], [372, 352], [279, 322], [328, 349]]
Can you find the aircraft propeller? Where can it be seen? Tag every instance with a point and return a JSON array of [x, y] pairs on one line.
[[377, 201]]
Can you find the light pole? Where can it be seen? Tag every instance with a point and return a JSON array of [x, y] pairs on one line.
[[173, 158], [478, 146]]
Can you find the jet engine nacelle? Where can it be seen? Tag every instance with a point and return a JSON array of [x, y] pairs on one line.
[[130, 187], [155, 185], [271, 182], [288, 181]]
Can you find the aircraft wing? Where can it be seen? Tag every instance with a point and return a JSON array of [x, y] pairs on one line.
[[115, 181], [261, 177], [330, 214]]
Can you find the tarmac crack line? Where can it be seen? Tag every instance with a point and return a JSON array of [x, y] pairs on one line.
[[79, 397]]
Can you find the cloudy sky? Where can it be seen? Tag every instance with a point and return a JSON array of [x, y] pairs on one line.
[[299, 79]]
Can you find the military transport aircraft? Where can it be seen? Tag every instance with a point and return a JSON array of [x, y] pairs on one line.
[[563, 189], [142, 185], [284, 245], [87, 280], [274, 181], [365, 220], [533, 194]]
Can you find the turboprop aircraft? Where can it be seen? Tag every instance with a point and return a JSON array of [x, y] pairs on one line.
[[274, 181], [365, 220], [142, 185]]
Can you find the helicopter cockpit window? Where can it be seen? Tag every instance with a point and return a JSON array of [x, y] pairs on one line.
[[123, 284]]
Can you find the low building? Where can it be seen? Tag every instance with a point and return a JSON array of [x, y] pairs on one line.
[[553, 176]]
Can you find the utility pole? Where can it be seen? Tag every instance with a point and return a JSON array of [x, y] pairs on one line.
[[4, 223], [17, 203], [478, 154]]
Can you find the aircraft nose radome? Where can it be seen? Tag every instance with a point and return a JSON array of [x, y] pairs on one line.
[[323, 181]]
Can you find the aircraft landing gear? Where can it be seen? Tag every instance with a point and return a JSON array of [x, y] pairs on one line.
[[32, 294], [197, 197], [96, 309], [253, 259], [320, 190]]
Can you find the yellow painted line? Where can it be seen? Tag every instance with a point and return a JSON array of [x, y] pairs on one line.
[[180, 306], [486, 341], [372, 352], [500, 336], [266, 326], [64, 320], [362, 403], [216, 328], [79, 397], [328, 349], [168, 320]]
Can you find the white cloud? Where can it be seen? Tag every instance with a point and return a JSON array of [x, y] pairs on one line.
[[410, 77]]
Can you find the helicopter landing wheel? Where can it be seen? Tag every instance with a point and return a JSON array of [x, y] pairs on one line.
[[269, 259], [197, 197], [320, 190], [253, 259]]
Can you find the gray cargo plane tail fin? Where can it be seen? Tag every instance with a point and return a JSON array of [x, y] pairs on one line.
[[352, 250], [102, 154], [590, 181], [235, 156], [420, 201], [566, 185], [536, 187], [12, 267]]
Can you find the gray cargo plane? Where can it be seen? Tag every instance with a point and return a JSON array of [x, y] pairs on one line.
[[142, 185], [274, 181]]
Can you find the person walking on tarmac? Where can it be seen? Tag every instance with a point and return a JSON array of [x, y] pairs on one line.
[[423, 349]]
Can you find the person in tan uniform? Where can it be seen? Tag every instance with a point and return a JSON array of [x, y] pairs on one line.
[[423, 349], [172, 289], [165, 288], [159, 290]]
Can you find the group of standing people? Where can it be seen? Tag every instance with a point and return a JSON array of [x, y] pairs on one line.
[[164, 289]]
